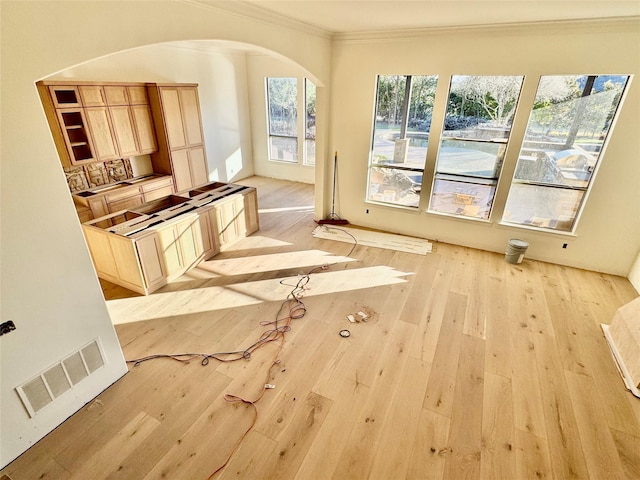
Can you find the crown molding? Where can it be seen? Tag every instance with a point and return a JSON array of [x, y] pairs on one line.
[[597, 25], [249, 11]]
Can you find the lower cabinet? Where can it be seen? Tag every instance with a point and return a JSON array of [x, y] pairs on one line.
[[183, 244], [142, 252]]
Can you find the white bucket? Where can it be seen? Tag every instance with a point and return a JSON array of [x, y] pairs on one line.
[[515, 251]]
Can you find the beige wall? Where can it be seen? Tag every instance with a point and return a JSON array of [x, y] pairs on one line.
[[634, 274], [608, 235], [48, 285]]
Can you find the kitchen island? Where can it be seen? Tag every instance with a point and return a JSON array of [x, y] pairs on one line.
[[144, 247]]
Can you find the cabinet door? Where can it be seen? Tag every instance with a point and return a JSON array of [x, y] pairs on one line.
[[124, 130], [191, 115], [92, 96], [208, 232], [173, 118], [144, 128], [116, 94], [198, 167], [170, 250], [150, 254], [225, 223], [138, 95], [98, 206], [102, 133], [181, 170], [190, 241]]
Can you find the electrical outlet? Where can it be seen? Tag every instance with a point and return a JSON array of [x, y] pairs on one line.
[[7, 327], [565, 245]]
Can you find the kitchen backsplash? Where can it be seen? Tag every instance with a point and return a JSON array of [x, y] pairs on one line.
[[100, 173]]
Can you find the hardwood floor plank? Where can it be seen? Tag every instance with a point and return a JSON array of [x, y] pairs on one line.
[[465, 434], [565, 448], [500, 326], [426, 341], [324, 454], [400, 427], [296, 439], [498, 457], [430, 447], [110, 456], [442, 381], [532, 457], [358, 455], [598, 445]]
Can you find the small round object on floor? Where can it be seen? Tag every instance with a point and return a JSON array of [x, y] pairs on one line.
[[345, 333]]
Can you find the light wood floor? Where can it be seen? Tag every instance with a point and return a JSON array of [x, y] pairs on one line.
[[468, 368]]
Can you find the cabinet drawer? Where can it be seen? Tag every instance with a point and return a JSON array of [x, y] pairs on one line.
[[159, 183], [126, 203], [121, 193], [158, 193]]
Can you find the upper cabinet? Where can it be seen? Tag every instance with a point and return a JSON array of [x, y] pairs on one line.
[[96, 123], [63, 96], [92, 96], [181, 153]]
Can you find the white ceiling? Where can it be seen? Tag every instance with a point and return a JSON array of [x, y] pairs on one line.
[[340, 16]]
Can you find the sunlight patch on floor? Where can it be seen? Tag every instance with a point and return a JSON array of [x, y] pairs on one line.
[[303, 260], [184, 302], [308, 208]]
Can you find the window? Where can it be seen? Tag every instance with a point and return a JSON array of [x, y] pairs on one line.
[[563, 143], [404, 104], [477, 126], [282, 100], [310, 124]]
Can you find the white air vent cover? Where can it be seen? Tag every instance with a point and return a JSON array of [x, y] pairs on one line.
[[44, 388]]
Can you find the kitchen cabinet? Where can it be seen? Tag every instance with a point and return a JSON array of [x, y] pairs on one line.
[[143, 248], [181, 151], [96, 123], [182, 244], [158, 188], [124, 199], [124, 130], [73, 137], [116, 95], [101, 130], [144, 129], [137, 95], [189, 168], [92, 95], [128, 194], [65, 96]]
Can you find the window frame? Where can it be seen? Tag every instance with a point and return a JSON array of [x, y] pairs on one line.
[[302, 130], [557, 187], [404, 130], [503, 146]]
